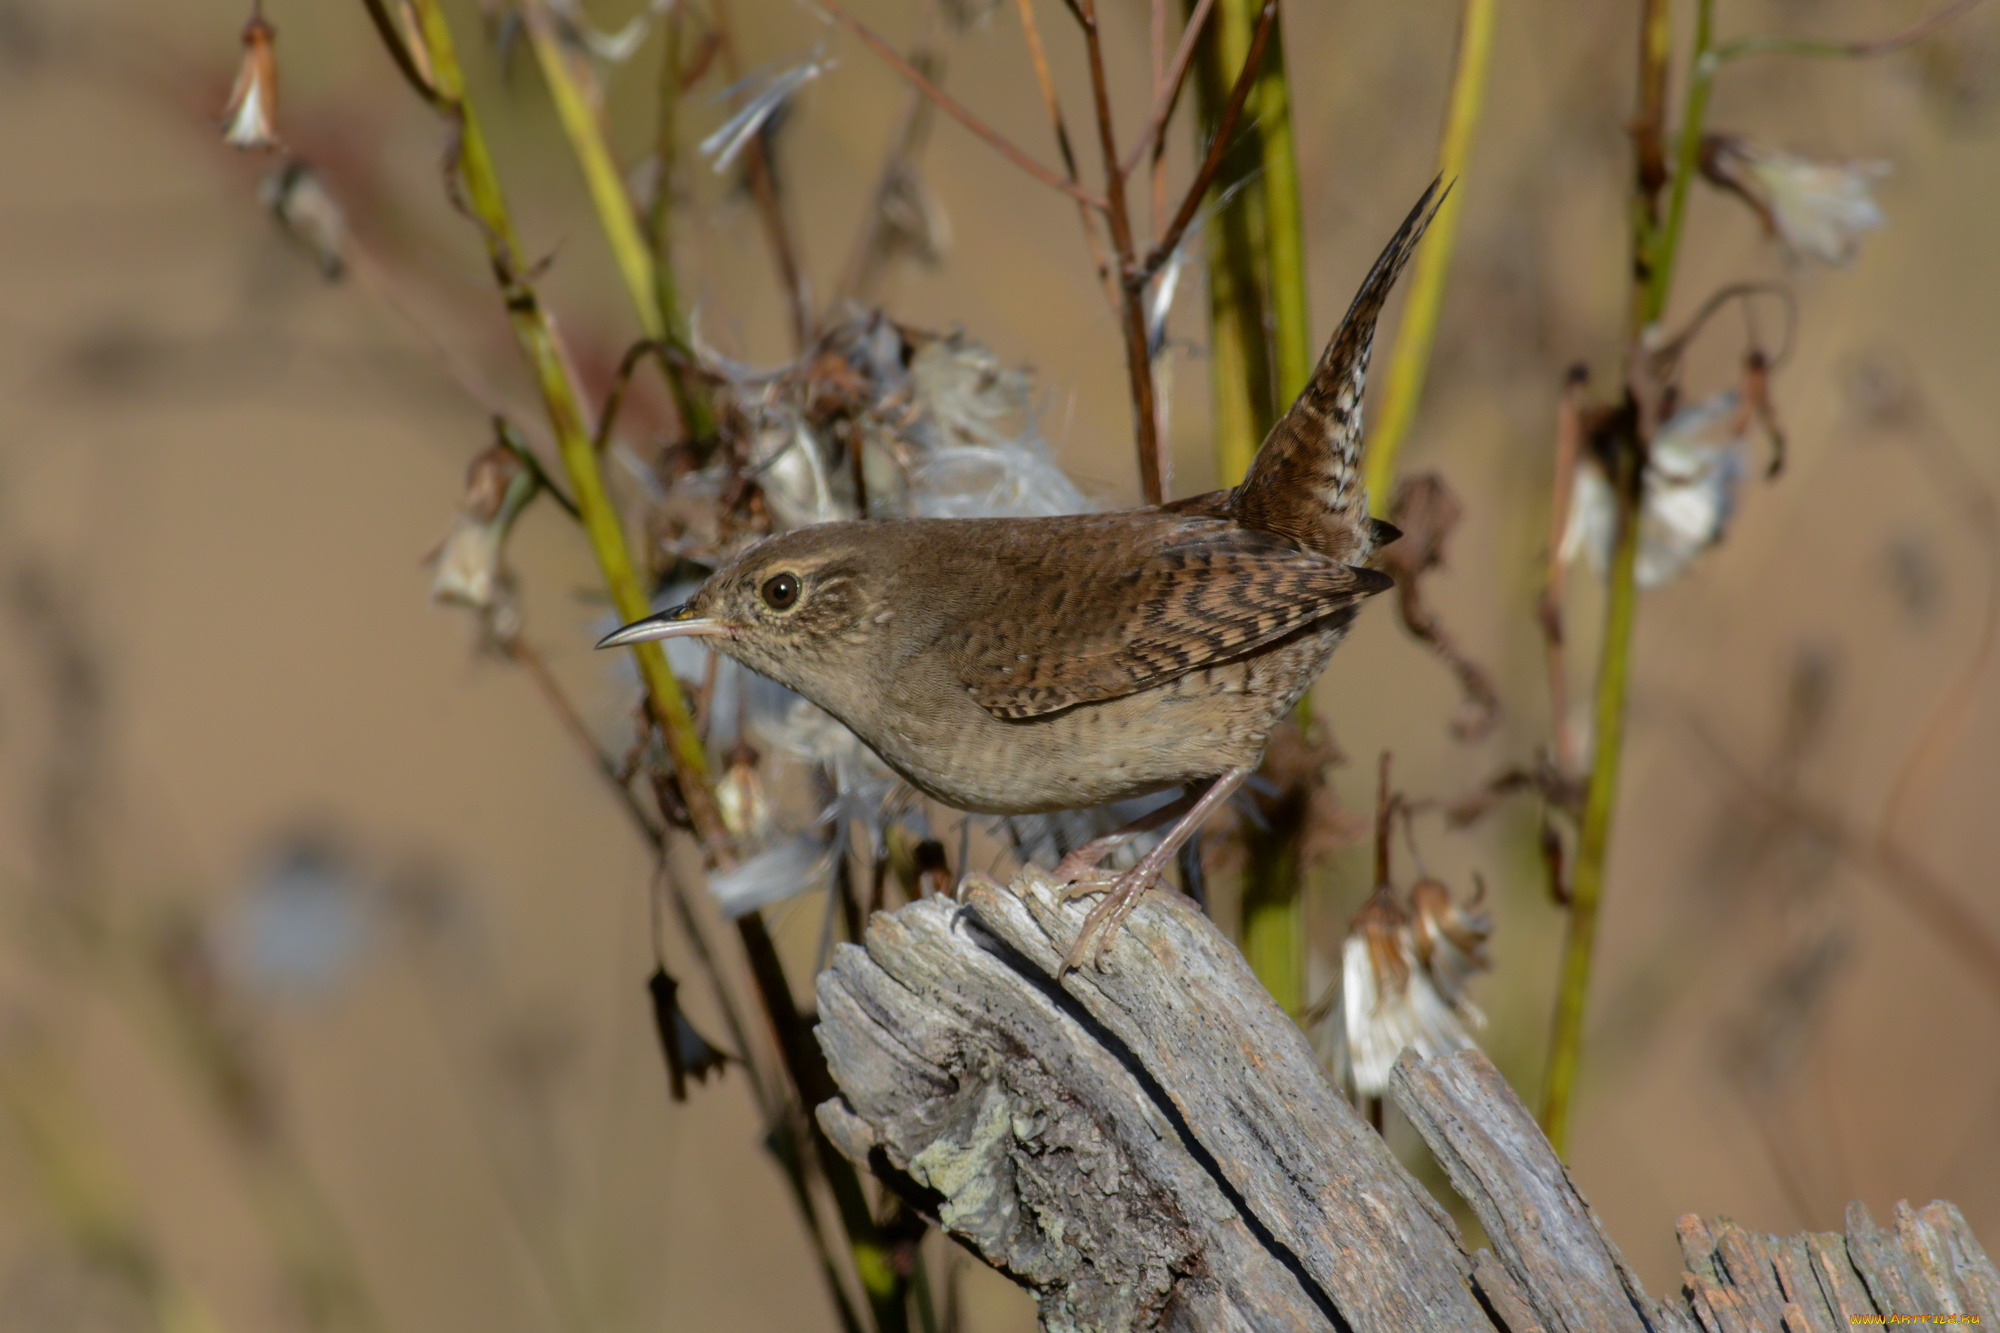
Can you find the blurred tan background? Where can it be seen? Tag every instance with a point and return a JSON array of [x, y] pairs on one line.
[[439, 1097]]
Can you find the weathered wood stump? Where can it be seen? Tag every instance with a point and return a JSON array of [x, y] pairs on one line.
[[1155, 1146]]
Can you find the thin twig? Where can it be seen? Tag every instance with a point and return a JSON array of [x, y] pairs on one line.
[[470, 169], [1138, 357], [609, 197], [1218, 144], [672, 358], [375, 276], [392, 37], [1586, 888], [697, 416], [762, 174], [1666, 357], [1156, 53], [1292, 347], [1947, 719], [1780, 44], [523, 654], [958, 113], [877, 243], [1625, 438], [1167, 95], [1046, 83], [1659, 273]]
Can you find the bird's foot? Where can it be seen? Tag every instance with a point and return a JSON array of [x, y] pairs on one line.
[[1121, 897], [1080, 870], [1085, 883]]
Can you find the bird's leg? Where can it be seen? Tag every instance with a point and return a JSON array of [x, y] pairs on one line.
[[1123, 896], [1078, 867]]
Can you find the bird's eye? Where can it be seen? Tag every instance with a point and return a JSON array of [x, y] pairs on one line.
[[780, 591]]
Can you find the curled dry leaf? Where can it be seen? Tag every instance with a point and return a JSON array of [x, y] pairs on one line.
[[1426, 511]]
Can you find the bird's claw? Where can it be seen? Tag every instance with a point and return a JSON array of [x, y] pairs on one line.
[[1087, 883], [1121, 897]]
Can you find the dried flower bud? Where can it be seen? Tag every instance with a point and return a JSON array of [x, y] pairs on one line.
[[1402, 984], [1384, 1001], [913, 219], [251, 115], [310, 215], [740, 797], [468, 567], [1696, 465], [1818, 210], [1451, 942], [933, 871]]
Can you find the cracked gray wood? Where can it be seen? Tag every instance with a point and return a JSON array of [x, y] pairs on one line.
[[1154, 1146]]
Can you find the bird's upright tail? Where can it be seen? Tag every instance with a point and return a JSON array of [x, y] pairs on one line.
[[1305, 482]]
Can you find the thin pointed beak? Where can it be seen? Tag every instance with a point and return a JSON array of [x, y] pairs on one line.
[[674, 623]]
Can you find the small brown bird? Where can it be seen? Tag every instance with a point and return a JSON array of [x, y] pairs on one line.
[[1015, 666]]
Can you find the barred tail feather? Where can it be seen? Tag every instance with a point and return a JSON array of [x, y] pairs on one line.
[[1305, 483]]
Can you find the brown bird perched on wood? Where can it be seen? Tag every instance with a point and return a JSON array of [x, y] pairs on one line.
[[1015, 666]]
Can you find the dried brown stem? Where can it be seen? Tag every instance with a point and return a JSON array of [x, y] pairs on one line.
[[1046, 83], [671, 358], [1779, 44], [1649, 143], [1138, 362], [1386, 802], [523, 654], [1946, 725], [1167, 94], [957, 112], [1556, 789], [391, 33], [1426, 511], [1225, 129], [761, 172], [877, 245]]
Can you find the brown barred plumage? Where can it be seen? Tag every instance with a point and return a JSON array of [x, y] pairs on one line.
[[1020, 665]]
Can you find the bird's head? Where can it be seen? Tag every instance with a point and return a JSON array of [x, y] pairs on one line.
[[798, 608]]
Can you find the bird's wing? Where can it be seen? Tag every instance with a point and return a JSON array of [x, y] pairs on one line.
[[1084, 622]]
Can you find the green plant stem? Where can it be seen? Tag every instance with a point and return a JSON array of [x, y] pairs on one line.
[[1600, 800], [1256, 265], [1410, 360], [1654, 241], [697, 417], [1687, 163], [1243, 403], [1274, 921], [643, 260], [1274, 911], [600, 172], [535, 332], [1284, 223], [73, 1165]]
